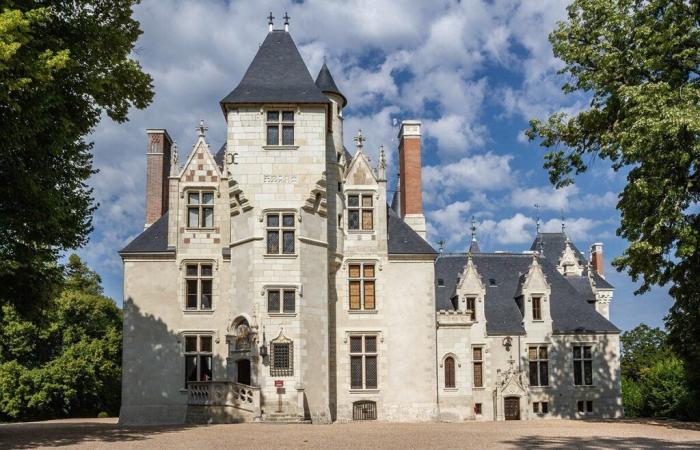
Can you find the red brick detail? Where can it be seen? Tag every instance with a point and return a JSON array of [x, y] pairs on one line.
[[214, 178], [200, 155], [200, 166], [410, 170], [597, 260], [186, 240], [209, 173], [157, 171], [217, 240], [189, 178], [202, 178]]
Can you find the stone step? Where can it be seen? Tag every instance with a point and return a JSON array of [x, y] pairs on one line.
[[283, 418]]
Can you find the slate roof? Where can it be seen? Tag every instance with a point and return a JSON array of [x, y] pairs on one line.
[[403, 240], [326, 83], [553, 245], [570, 310], [219, 157], [474, 247], [277, 74], [154, 239]]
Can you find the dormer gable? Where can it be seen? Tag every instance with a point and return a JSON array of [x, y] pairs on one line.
[[359, 172], [569, 262], [470, 291], [200, 166], [534, 294]]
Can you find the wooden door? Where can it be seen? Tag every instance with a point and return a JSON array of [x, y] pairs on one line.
[[511, 407]]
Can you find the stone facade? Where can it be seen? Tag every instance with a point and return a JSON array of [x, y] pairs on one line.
[[338, 317]]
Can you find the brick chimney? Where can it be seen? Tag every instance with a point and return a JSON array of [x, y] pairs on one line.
[[157, 170], [597, 260], [411, 198]]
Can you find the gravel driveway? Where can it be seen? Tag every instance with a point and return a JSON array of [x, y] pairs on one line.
[[547, 434]]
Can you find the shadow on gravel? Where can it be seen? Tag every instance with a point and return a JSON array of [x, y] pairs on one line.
[[665, 423], [598, 442], [32, 435]]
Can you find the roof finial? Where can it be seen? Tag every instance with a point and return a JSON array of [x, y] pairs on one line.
[[359, 139], [441, 243], [381, 167], [473, 229], [537, 220], [563, 223], [286, 22], [201, 128], [269, 21], [173, 159]]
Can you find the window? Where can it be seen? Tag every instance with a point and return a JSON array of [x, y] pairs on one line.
[[286, 306], [584, 406], [282, 357], [471, 308], [363, 362], [478, 367], [280, 128], [364, 410], [536, 308], [198, 286], [540, 407], [449, 365], [441, 282], [477, 409], [360, 212], [280, 225], [200, 209], [198, 358], [361, 286], [539, 366], [583, 365]]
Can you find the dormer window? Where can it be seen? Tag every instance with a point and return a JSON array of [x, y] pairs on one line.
[[280, 128], [200, 209], [360, 212], [536, 308]]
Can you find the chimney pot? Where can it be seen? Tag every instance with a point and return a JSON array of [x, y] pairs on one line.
[[597, 260]]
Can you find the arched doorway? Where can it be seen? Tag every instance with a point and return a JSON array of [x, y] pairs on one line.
[[511, 408], [243, 371]]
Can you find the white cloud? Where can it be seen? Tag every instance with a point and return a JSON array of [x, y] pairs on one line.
[[518, 229], [578, 229]]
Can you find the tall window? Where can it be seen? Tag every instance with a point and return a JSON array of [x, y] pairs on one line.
[[361, 279], [539, 366], [449, 372], [200, 209], [288, 303], [280, 225], [471, 307], [360, 212], [536, 308], [280, 128], [478, 361], [583, 365], [198, 286], [363, 362], [198, 356], [282, 357]]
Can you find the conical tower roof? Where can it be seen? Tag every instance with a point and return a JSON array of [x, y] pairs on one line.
[[325, 82], [276, 75]]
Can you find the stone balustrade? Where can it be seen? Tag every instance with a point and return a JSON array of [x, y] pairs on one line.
[[224, 393]]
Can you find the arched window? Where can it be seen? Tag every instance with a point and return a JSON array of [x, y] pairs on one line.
[[449, 372]]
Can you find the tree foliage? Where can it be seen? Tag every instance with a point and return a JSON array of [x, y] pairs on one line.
[[639, 61], [62, 65], [642, 347], [65, 361]]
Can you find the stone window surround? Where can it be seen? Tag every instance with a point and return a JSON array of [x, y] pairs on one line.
[[296, 287], [263, 220], [483, 366], [278, 107], [182, 294], [543, 300], [214, 187], [365, 393], [457, 365], [359, 190], [570, 360], [360, 193], [377, 268], [181, 334], [538, 345], [379, 339]]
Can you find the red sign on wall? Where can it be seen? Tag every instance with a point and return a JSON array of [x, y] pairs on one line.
[[279, 383]]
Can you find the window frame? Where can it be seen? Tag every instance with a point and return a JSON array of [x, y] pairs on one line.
[[200, 206], [470, 299], [280, 124], [449, 372], [363, 281], [198, 355], [536, 300], [364, 355], [539, 363], [282, 371], [480, 364], [281, 291], [583, 372], [360, 209], [281, 230], [199, 278]]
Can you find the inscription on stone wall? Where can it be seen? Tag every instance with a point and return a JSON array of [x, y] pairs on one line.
[[280, 179]]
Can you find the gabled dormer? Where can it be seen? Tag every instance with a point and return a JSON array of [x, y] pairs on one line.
[[534, 297], [569, 263], [362, 194], [470, 292]]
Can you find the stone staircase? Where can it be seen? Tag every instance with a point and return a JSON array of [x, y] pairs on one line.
[[283, 418]]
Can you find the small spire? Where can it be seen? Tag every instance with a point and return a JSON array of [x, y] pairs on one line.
[[441, 243], [201, 128], [381, 168], [269, 21], [173, 160], [286, 22], [473, 229], [359, 140], [563, 223], [537, 220]]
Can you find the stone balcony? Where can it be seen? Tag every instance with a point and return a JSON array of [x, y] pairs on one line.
[[222, 402]]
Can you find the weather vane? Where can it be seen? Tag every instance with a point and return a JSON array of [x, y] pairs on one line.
[[269, 21], [286, 21], [201, 128], [360, 140], [537, 220]]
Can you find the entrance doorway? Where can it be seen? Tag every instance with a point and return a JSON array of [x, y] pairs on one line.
[[243, 371], [511, 407]]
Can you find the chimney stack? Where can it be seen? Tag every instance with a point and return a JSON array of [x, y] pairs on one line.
[[157, 170], [411, 198], [597, 260]]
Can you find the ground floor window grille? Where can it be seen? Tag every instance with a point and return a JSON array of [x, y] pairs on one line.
[[585, 406], [282, 357], [364, 410]]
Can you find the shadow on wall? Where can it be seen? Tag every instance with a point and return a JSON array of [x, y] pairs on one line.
[[153, 368], [549, 442], [565, 395]]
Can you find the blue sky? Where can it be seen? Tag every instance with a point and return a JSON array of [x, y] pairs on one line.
[[474, 72]]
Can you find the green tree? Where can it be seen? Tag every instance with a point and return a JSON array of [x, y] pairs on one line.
[[665, 389], [639, 63], [62, 65], [642, 347], [633, 399], [66, 360]]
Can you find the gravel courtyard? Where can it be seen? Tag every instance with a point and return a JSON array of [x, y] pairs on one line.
[[547, 434]]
